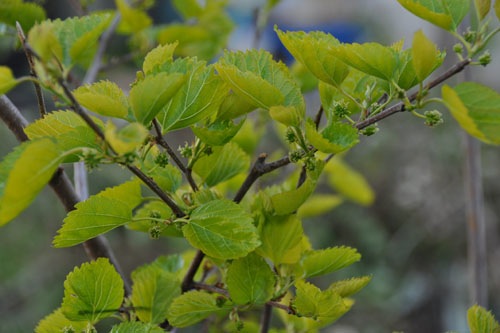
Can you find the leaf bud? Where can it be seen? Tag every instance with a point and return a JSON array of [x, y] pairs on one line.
[[370, 130], [470, 35], [290, 135], [458, 48], [485, 58], [433, 118]]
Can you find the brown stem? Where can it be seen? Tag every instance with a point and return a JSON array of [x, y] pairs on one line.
[[265, 319], [61, 185], [187, 172], [400, 107], [29, 55], [187, 283]]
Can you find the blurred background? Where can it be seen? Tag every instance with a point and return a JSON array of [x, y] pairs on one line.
[[413, 238]]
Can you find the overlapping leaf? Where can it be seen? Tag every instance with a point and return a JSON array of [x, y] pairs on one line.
[[336, 137], [57, 322], [446, 14], [250, 280], [23, 174], [313, 51], [476, 108], [321, 262], [132, 20], [345, 288], [104, 98], [158, 56], [153, 291], [218, 133], [425, 55], [222, 229], [257, 78], [194, 306], [136, 327], [92, 292], [98, 214], [126, 139], [160, 211], [224, 163]]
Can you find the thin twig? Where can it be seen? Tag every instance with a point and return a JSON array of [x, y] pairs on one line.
[[61, 185], [317, 119], [187, 282], [187, 172], [29, 55], [265, 318], [255, 173], [400, 107]]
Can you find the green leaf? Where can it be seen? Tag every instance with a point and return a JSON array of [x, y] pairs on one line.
[[132, 20], [481, 321], [313, 51], [310, 301], [496, 6], [370, 58], [24, 173], [287, 115], [250, 280], [7, 80], [153, 291], [194, 306], [482, 8], [92, 292], [169, 178], [158, 56], [188, 8], [346, 288], [234, 106], [26, 13], [476, 108], [150, 95], [224, 163], [98, 214], [221, 229], [54, 124], [289, 201], [446, 14], [279, 236], [104, 98], [348, 182], [42, 38], [425, 55], [321, 262], [135, 327], [336, 137], [263, 82], [57, 322], [218, 133], [126, 139], [319, 204], [159, 210], [199, 98]]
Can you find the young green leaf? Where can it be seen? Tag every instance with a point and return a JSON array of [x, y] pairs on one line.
[[287, 115], [481, 321], [310, 301], [126, 139], [425, 55], [370, 58], [26, 13], [319, 204], [321, 262], [250, 280], [188, 8], [100, 213], [496, 6], [263, 82], [135, 327], [194, 306], [476, 108], [153, 291], [7, 80], [150, 95], [280, 235], [23, 173], [143, 220], [446, 14], [482, 8], [221, 229], [158, 56], [43, 39], [224, 163], [104, 98], [346, 288], [132, 20], [199, 97], [92, 292], [57, 322], [313, 51], [219, 133], [336, 137], [54, 124], [348, 182]]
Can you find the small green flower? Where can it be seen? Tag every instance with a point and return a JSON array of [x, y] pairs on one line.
[[458, 48], [433, 118], [162, 160], [370, 130], [485, 58], [186, 151], [341, 109]]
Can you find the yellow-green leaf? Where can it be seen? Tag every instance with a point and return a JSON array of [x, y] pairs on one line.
[[126, 139], [348, 287], [158, 56], [476, 108], [321, 262], [57, 322], [26, 13], [425, 55], [496, 6], [24, 173], [7, 80], [335, 138], [133, 20], [319, 204], [313, 51], [104, 98], [287, 115], [482, 8], [481, 321], [446, 14], [348, 182]]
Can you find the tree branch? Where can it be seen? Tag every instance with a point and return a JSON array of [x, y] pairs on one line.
[[265, 319], [400, 107], [187, 172], [61, 185], [187, 282]]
